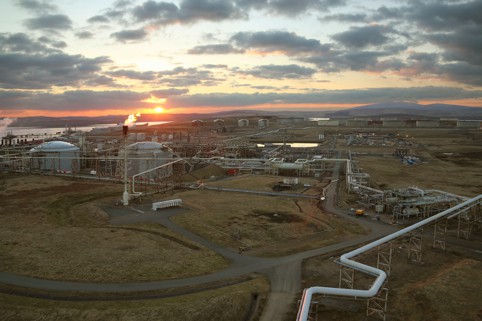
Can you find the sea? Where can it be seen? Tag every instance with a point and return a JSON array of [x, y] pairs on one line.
[[47, 132]]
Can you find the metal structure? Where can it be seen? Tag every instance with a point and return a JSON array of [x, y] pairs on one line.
[[381, 276]]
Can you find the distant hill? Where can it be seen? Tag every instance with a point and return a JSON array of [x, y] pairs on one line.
[[410, 110], [402, 110], [81, 121]]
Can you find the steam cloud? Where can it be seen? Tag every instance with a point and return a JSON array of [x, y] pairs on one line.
[[4, 123]]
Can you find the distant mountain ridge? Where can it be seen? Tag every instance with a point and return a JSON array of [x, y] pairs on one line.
[[411, 110], [403, 110]]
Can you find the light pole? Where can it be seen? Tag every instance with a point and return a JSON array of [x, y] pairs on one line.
[[125, 195]]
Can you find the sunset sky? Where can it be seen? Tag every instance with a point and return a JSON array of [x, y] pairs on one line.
[[91, 57]]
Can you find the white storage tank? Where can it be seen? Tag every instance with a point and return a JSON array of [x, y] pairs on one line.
[[243, 123], [142, 156], [263, 123], [58, 156]]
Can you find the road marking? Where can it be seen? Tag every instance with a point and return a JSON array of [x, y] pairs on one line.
[[135, 209]]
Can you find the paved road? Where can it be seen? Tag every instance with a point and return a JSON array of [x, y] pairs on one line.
[[238, 190], [240, 265], [284, 273]]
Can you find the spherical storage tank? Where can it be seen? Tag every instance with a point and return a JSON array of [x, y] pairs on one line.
[[143, 156], [55, 156]]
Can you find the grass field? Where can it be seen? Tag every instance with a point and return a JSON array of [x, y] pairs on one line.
[[268, 225], [446, 286], [227, 303], [52, 228]]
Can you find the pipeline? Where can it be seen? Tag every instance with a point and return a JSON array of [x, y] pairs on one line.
[[380, 275]]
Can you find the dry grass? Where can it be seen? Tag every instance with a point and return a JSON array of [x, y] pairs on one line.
[[51, 228], [444, 288], [452, 292], [268, 225], [265, 183], [228, 303], [458, 174]]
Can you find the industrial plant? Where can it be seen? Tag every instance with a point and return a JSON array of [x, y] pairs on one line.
[[154, 162]]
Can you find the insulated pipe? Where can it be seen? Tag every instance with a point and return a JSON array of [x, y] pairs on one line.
[[147, 171], [345, 259]]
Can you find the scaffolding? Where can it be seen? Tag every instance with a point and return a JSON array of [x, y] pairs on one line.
[[415, 246], [377, 305]]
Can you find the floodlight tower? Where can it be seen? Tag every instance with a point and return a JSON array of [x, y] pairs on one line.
[[125, 195]]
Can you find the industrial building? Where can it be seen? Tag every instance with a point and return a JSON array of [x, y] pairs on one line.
[[472, 124]]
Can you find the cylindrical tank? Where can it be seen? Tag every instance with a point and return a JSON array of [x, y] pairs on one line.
[[410, 211], [56, 156], [290, 166], [218, 122], [143, 156], [263, 123], [141, 137], [243, 123]]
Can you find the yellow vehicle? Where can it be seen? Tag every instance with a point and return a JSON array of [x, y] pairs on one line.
[[359, 212]]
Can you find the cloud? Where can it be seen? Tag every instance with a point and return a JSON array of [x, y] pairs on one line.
[[348, 96], [463, 45], [22, 43], [83, 100], [36, 6], [30, 71], [177, 77], [59, 44], [129, 35], [79, 100], [361, 37], [216, 49], [131, 74], [101, 81], [463, 72], [281, 72], [289, 7], [98, 19], [438, 15], [84, 35], [384, 13], [164, 93], [152, 10], [345, 17], [337, 61], [49, 21], [188, 12], [288, 43]]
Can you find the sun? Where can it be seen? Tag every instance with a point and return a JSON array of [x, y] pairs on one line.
[[158, 109]]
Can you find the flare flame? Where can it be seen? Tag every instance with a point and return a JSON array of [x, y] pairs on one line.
[[131, 119]]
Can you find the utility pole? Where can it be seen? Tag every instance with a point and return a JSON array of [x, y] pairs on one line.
[[125, 195]]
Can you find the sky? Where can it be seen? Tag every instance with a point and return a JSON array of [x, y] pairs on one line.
[[92, 57]]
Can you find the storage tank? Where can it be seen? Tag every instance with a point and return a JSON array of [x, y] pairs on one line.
[[142, 156], [243, 123], [409, 211], [218, 122], [263, 123], [58, 156]]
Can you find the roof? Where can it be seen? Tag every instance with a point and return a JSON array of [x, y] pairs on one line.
[[54, 146], [145, 146]]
